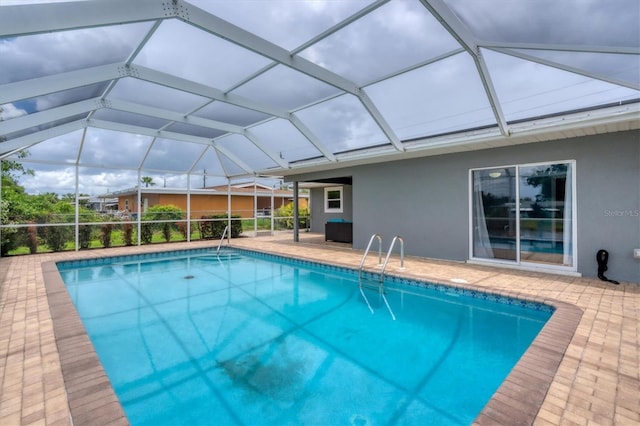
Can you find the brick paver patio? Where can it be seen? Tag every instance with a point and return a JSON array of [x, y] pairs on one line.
[[596, 380]]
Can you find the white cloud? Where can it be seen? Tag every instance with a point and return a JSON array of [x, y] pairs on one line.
[[39, 55], [393, 37], [283, 22], [582, 22], [11, 111]]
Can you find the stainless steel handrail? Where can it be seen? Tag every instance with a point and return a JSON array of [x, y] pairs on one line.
[[380, 285], [222, 239], [386, 260], [366, 252]]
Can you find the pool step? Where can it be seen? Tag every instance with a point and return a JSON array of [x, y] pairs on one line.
[[371, 284], [374, 285], [222, 256]]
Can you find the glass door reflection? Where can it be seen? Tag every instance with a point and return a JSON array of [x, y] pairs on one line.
[[494, 214]]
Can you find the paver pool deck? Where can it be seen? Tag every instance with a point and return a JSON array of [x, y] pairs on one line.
[[583, 369]]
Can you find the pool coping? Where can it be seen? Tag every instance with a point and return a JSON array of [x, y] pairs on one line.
[[517, 401]]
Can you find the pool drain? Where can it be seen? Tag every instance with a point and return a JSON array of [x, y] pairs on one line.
[[189, 277]]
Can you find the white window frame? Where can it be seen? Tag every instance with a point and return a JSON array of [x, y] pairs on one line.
[[519, 264], [328, 209]]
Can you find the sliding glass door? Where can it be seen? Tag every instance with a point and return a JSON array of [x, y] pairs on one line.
[[524, 214], [494, 218]]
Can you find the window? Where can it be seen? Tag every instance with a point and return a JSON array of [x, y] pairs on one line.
[[126, 205], [333, 199], [524, 214]]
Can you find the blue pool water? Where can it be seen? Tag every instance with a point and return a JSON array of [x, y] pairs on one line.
[[244, 338]]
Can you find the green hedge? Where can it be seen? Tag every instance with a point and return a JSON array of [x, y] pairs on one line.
[[212, 226]]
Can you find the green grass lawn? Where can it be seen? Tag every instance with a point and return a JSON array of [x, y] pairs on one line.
[[117, 236], [117, 240]]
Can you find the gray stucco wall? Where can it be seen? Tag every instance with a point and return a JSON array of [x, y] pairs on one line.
[[426, 200], [319, 217]]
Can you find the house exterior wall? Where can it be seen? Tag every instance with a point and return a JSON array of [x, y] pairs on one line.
[[207, 204], [426, 200], [319, 217]]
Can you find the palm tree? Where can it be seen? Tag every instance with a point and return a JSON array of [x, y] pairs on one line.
[[147, 180]]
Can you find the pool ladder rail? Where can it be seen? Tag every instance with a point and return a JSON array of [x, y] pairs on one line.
[[379, 286], [226, 228]]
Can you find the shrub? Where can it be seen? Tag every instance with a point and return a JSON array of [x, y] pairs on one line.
[[85, 235], [127, 233], [10, 240], [146, 232], [286, 212], [10, 237], [160, 212], [212, 228], [32, 239], [184, 229], [105, 234], [166, 231], [56, 237]]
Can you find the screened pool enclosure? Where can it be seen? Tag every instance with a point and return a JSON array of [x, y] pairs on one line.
[[98, 95]]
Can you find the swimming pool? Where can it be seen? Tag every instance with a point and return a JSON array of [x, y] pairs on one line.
[[246, 338]]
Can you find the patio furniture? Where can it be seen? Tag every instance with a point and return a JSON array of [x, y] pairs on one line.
[[338, 230]]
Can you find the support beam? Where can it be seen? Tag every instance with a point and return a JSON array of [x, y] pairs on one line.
[[176, 117], [48, 116], [255, 208], [468, 41], [41, 86], [248, 40], [76, 207], [189, 207], [139, 202], [307, 133], [37, 137], [276, 158], [228, 211], [296, 230], [129, 128], [619, 50], [452, 24], [60, 16], [231, 156], [380, 121], [489, 88], [563, 67], [273, 212], [159, 77]]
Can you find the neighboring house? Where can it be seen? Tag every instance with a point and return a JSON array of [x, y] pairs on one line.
[[210, 200], [103, 204], [545, 206]]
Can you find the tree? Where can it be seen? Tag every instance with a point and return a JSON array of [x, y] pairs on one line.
[[286, 212], [551, 181], [147, 181], [70, 197], [15, 207], [13, 169]]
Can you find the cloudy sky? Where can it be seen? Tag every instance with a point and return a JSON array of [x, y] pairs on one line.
[[427, 97]]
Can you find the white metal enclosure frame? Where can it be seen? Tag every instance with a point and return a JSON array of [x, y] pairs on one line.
[[244, 90]]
